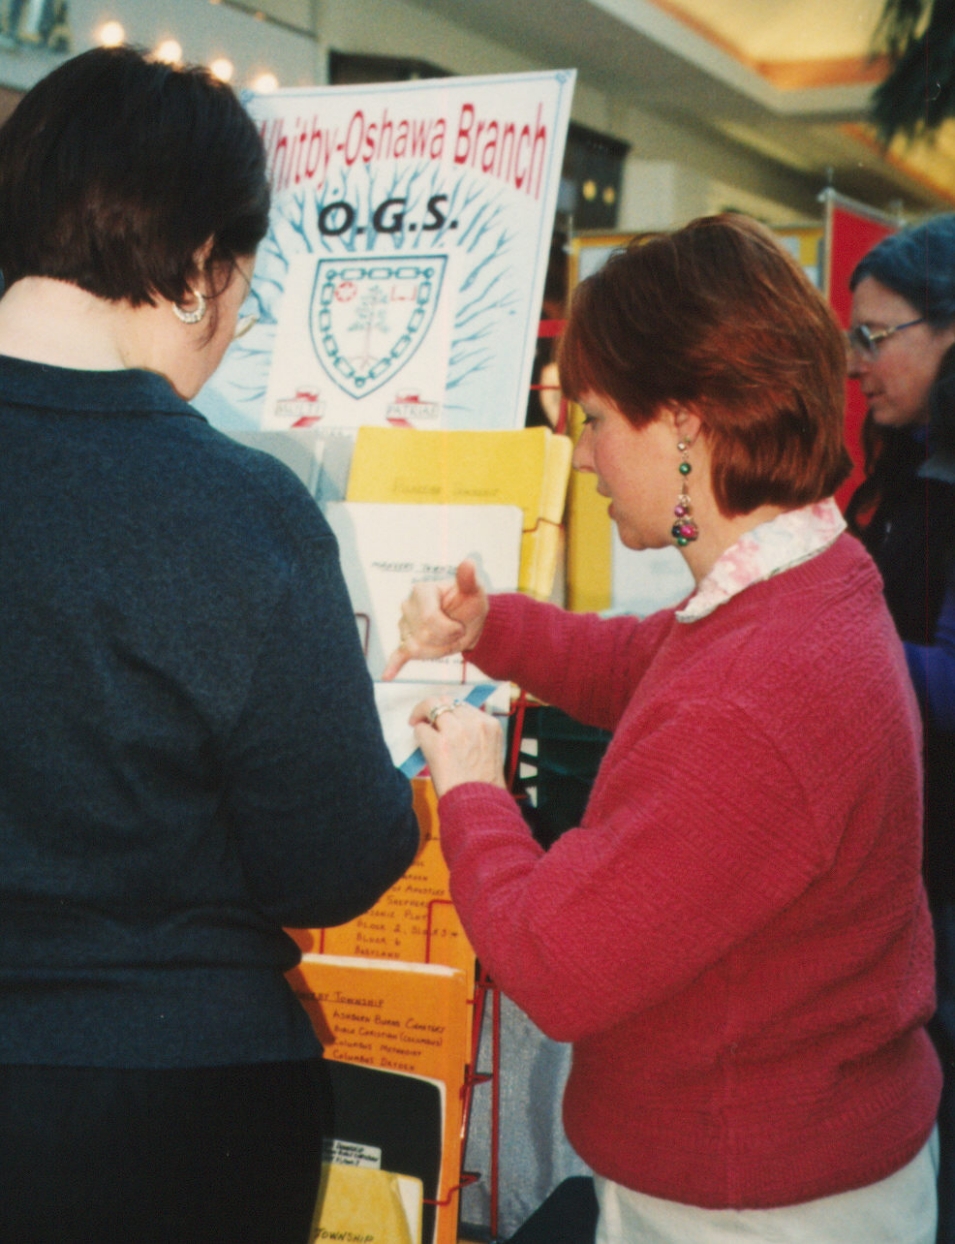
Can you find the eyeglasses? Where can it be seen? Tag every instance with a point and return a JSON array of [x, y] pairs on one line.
[[247, 322], [244, 325], [865, 341]]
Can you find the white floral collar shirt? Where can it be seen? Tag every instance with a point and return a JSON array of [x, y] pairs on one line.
[[767, 550]]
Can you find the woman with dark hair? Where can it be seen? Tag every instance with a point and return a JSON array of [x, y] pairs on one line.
[[190, 756], [901, 353], [736, 938]]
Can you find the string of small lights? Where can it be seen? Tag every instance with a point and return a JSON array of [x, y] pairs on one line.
[[112, 33]]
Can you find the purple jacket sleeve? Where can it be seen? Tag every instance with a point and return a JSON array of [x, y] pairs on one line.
[[932, 667]]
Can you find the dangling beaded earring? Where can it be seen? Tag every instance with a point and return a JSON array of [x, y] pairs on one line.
[[196, 314], [684, 529]]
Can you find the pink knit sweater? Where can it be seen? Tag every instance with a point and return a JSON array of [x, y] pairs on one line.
[[736, 939]]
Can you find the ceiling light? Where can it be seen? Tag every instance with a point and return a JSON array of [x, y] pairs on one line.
[[111, 35], [222, 68], [169, 52]]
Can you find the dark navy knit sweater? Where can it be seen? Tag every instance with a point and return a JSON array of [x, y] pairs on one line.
[[190, 756]]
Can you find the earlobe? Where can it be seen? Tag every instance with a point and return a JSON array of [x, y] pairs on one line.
[[200, 259], [201, 256], [686, 423]]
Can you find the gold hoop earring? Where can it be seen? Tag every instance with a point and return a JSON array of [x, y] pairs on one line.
[[196, 314]]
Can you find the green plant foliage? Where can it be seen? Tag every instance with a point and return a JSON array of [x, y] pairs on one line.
[[919, 92], [898, 25]]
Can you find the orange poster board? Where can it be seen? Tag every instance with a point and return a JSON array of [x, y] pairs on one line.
[[396, 1036], [414, 921]]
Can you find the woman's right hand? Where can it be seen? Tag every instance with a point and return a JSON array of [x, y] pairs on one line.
[[440, 618]]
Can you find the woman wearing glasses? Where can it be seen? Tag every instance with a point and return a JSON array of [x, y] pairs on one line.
[[903, 326], [190, 756], [736, 938]]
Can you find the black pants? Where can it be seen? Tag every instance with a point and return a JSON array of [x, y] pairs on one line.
[[211, 1155]]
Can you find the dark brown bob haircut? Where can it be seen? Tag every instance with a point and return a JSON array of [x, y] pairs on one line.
[[115, 170], [717, 318]]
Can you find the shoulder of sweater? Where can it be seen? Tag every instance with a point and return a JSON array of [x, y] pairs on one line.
[[824, 653], [269, 485], [827, 613]]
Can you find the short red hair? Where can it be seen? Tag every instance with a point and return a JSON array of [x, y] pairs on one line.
[[718, 318]]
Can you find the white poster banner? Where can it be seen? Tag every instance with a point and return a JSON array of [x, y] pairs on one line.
[[402, 276]]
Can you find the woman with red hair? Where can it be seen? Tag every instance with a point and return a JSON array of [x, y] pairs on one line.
[[736, 938]]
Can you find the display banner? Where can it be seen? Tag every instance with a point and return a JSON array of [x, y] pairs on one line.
[[851, 231], [402, 276]]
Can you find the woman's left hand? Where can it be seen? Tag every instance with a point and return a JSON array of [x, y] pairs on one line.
[[460, 743]]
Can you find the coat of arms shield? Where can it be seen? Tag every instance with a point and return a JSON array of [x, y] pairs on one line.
[[369, 316]]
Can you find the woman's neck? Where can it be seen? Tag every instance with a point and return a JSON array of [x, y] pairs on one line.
[[48, 321]]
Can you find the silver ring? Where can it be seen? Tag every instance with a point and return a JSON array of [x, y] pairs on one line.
[[439, 709]]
